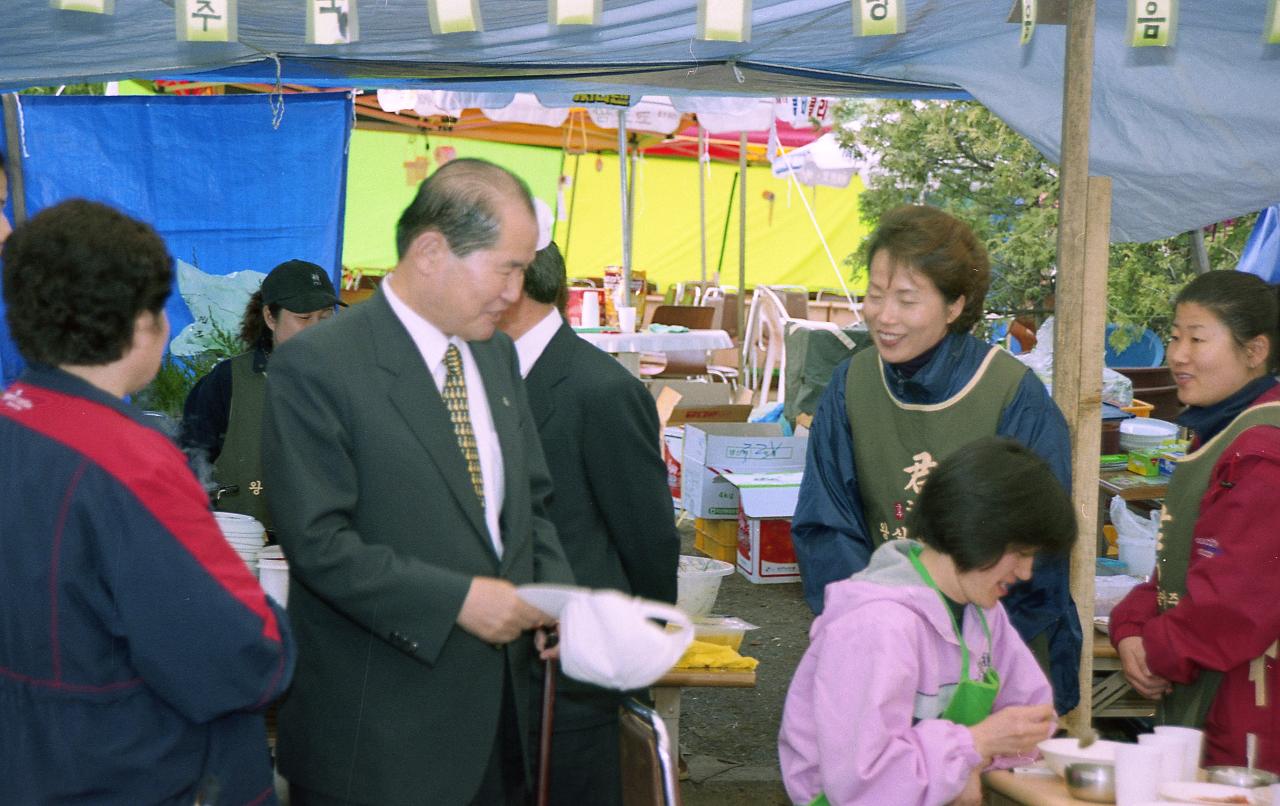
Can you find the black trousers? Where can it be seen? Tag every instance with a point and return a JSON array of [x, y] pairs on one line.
[[586, 767]]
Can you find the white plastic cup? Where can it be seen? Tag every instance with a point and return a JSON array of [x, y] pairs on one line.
[[1172, 755], [590, 308], [1192, 748], [627, 319], [1137, 773]]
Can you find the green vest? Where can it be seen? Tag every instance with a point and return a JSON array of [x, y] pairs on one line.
[[240, 461], [1189, 704], [897, 444]]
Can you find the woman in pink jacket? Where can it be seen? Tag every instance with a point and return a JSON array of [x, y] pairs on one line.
[[914, 680]]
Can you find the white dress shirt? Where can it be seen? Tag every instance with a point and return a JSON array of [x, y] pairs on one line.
[[531, 345], [432, 344]]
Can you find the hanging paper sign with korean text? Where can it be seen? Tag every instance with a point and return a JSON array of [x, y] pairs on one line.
[[332, 22], [878, 17], [1152, 23], [1271, 33], [1028, 21], [205, 20], [454, 16], [724, 20], [573, 12], [91, 6]]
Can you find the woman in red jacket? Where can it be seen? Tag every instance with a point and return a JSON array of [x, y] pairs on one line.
[[1201, 636]]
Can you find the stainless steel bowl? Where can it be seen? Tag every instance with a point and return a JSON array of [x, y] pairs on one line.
[[1240, 776], [1095, 783]]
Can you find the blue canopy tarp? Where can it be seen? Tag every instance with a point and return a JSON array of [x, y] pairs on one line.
[[1186, 133], [225, 188]]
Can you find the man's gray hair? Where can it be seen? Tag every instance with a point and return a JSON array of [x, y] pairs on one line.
[[460, 202]]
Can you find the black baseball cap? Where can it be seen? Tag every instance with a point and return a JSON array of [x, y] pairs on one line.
[[299, 286]]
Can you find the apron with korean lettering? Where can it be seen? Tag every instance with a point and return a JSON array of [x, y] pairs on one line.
[[1189, 704], [240, 462], [973, 700], [896, 444]]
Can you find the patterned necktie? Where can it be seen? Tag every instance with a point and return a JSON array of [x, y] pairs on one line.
[[455, 399]]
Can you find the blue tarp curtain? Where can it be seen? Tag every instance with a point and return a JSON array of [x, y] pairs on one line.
[[225, 189]]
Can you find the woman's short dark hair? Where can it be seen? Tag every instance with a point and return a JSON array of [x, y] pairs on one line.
[[460, 201], [76, 278], [989, 497], [1244, 302], [942, 248], [253, 325]]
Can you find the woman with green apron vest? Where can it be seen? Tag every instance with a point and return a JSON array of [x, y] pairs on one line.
[[1201, 636], [915, 680], [222, 417], [891, 414]]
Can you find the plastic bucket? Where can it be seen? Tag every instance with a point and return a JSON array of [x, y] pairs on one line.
[[273, 574], [239, 528], [1138, 554], [246, 535], [698, 583]]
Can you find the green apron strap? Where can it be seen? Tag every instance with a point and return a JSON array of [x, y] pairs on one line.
[[973, 699]]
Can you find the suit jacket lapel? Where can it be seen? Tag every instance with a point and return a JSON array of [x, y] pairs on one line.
[[414, 395], [552, 367]]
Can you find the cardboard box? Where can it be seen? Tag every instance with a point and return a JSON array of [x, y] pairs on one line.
[[711, 449], [680, 402], [1144, 463], [716, 539], [696, 402], [672, 453], [1168, 460], [766, 502]]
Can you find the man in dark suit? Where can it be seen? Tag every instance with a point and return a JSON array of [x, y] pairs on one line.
[[409, 497], [600, 432]]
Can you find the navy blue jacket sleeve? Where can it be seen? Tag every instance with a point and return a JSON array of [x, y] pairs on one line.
[[207, 412], [1043, 605], [828, 529]]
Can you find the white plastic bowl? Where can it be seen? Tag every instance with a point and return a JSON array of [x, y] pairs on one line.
[[698, 583], [1149, 427], [1058, 753]]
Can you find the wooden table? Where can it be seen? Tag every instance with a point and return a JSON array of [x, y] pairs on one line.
[[666, 694], [628, 346], [1131, 486], [1004, 788]]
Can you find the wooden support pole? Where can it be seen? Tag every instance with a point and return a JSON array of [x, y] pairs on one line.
[[625, 297], [742, 236], [702, 202], [1080, 322]]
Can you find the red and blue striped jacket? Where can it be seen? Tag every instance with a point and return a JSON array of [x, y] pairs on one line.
[[136, 650]]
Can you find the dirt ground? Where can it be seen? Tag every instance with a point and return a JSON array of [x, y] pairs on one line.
[[729, 735]]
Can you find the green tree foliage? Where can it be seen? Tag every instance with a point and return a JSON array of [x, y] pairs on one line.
[[962, 158]]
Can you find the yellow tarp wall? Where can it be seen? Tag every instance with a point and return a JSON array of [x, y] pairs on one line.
[[782, 245], [380, 185]]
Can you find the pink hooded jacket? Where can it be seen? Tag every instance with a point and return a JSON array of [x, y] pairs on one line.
[[862, 721]]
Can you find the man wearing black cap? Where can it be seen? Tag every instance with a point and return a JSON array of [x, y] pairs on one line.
[[222, 418]]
